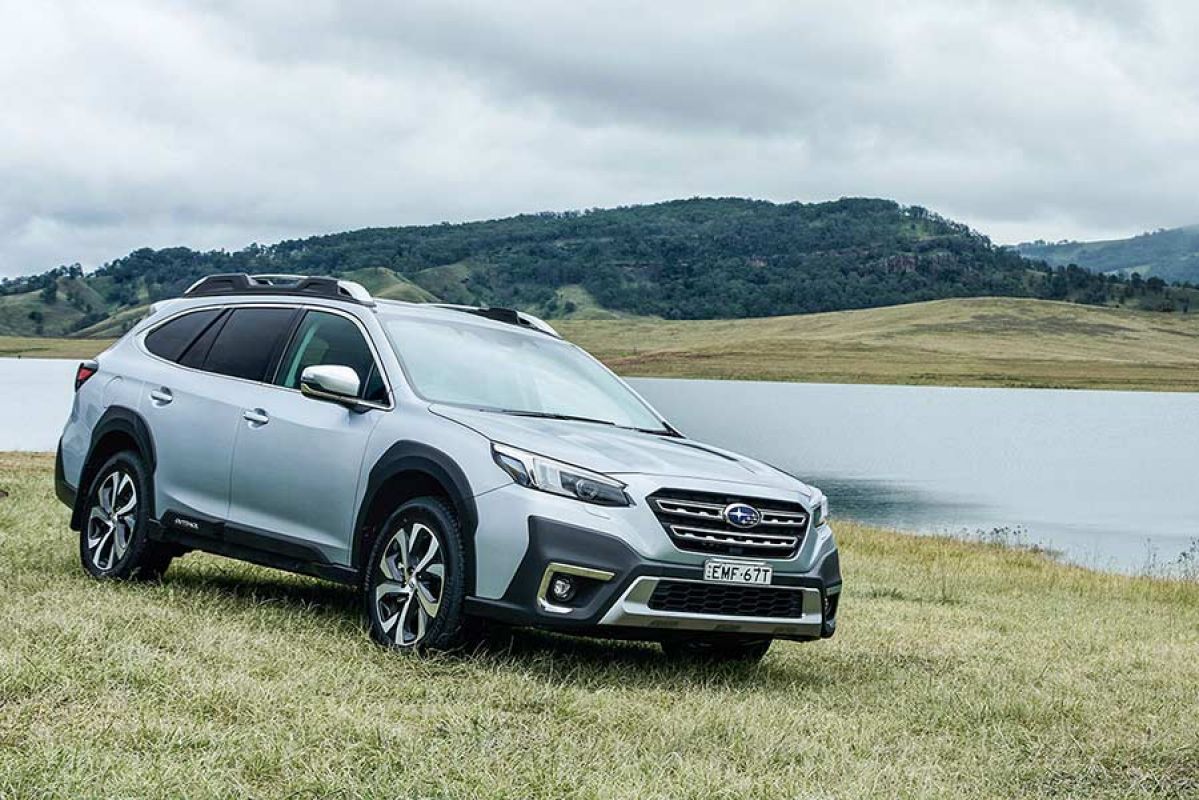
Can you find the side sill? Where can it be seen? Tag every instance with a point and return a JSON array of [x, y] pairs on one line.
[[221, 540]]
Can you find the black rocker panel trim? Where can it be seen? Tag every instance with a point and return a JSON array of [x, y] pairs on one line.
[[220, 538]]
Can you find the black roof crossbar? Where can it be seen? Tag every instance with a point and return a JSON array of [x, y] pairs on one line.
[[509, 316], [239, 283]]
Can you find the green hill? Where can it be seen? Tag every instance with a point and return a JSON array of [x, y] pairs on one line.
[[63, 304], [1171, 255], [382, 282], [683, 259]]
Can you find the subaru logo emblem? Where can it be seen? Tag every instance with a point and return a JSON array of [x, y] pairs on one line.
[[740, 515]]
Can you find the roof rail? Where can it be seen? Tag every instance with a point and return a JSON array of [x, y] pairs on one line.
[[507, 315], [234, 283]]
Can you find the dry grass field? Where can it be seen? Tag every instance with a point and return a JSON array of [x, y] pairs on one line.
[[960, 671], [974, 342], [39, 347]]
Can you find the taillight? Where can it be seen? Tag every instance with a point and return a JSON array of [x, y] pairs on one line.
[[85, 370]]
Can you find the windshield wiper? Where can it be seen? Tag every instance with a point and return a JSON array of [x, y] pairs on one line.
[[668, 432], [549, 415], [516, 412]]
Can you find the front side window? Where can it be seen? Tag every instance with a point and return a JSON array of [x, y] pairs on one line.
[[248, 342], [331, 339], [481, 366]]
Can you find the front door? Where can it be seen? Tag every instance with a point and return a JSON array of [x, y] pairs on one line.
[[297, 461]]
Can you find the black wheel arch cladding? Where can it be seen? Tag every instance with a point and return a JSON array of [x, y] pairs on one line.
[[409, 456], [115, 426]]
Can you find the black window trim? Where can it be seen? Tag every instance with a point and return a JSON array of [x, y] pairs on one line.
[[277, 357]]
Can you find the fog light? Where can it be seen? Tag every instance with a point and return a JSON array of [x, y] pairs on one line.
[[830, 606], [562, 588]]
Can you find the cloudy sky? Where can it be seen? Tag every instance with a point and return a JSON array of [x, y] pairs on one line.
[[132, 123]]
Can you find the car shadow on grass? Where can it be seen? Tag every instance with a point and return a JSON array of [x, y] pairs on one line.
[[598, 663], [254, 586], [581, 660]]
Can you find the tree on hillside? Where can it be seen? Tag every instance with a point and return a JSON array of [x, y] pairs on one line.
[[683, 259]]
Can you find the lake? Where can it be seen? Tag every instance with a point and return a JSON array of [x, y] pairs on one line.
[[35, 400], [1107, 478]]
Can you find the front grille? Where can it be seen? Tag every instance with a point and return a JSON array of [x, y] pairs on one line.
[[695, 521], [730, 601]]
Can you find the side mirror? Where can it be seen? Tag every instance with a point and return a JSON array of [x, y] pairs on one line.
[[330, 382]]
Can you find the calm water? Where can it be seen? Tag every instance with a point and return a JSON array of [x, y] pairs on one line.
[[35, 400], [1109, 478]]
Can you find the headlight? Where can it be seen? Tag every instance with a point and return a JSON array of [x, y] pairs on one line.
[[820, 512], [555, 477]]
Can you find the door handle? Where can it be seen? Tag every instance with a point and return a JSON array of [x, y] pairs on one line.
[[161, 396], [255, 416]]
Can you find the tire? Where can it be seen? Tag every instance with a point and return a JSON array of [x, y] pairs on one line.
[[415, 583], [717, 647], [114, 539]]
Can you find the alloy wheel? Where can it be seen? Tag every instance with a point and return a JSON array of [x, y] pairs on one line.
[[408, 593], [112, 520]]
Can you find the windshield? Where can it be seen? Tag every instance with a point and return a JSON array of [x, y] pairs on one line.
[[498, 370]]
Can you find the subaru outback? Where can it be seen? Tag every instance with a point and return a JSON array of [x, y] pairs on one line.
[[456, 464]]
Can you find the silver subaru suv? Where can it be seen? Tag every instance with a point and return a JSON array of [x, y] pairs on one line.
[[457, 464]]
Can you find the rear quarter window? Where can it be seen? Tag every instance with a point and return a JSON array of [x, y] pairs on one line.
[[169, 341]]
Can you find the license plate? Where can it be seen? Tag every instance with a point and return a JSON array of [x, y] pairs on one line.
[[737, 572]]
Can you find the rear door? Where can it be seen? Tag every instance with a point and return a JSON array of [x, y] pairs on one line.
[[297, 461], [194, 403], [192, 428]]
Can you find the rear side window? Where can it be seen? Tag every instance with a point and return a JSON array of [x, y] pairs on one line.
[[248, 342], [171, 340]]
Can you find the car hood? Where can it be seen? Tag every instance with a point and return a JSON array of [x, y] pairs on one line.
[[616, 451]]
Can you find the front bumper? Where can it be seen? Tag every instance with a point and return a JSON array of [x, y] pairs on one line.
[[617, 588]]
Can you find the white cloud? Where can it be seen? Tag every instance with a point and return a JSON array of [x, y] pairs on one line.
[[133, 123]]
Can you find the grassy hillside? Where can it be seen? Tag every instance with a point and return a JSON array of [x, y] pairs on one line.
[[977, 342], [960, 671], [1172, 255], [704, 258], [387, 284]]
